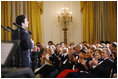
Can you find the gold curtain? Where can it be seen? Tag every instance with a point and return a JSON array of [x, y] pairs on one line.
[[99, 20], [87, 8], [5, 19], [112, 20], [17, 8], [35, 10]]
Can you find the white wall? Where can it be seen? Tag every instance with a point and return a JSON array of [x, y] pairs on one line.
[[51, 29]]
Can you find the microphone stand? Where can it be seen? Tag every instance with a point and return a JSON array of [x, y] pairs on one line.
[[4, 35], [19, 40], [12, 30], [19, 45], [4, 32], [13, 59]]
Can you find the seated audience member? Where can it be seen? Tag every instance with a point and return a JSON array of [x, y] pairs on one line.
[[81, 63], [41, 48], [97, 55], [68, 63], [34, 56], [64, 55], [114, 45], [47, 66], [67, 68], [72, 51], [86, 45], [103, 45], [39, 56], [92, 47], [38, 44], [114, 73], [88, 58], [77, 49], [62, 45], [50, 44], [115, 58], [113, 48], [88, 54], [71, 43], [84, 48], [63, 58], [45, 57], [55, 57]]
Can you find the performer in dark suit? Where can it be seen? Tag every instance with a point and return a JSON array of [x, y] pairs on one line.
[[25, 42]]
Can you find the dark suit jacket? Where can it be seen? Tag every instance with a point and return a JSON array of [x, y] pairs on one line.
[[22, 57], [25, 40], [115, 65], [34, 61], [76, 55], [54, 59], [25, 45], [63, 58], [102, 70], [80, 67], [67, 65]]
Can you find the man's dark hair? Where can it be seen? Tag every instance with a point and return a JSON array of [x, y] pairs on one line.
[[114, 45], [102, 42], [38, 44], [20, 19], [30, 32], [83, 51], [84, 42], [57, 44], [50, 42], [61, 42], [107, 42]]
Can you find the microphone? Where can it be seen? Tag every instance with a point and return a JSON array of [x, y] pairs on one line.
[[10, 28], [30, 32], [17, 25], [4, 28]]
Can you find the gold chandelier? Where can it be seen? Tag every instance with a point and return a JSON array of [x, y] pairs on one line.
[[64, 17]]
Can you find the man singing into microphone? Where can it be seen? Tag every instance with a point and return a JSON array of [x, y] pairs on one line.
[[25, 42]]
